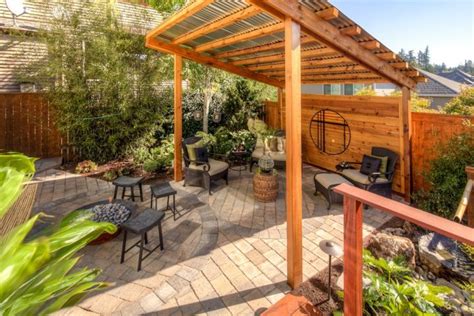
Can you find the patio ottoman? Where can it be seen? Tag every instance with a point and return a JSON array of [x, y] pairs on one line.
[[325, 181]]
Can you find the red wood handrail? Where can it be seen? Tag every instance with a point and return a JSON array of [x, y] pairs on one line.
[[354, 199]]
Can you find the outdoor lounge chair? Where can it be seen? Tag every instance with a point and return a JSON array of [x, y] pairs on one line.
[[202, 172], [377, 182]]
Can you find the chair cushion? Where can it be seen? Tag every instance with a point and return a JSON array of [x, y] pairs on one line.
[[217, 166], [356, 176], [383, 164], [277, 156], [370, 164], [281, 144], [273, 144], [328, 179], [191, 147], [201, 154]]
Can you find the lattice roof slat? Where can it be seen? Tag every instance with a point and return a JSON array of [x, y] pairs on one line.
[[255, 43]]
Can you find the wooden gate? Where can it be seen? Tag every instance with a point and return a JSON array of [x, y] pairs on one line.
[[27, 125]]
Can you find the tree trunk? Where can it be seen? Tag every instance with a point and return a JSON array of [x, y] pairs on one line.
[[205, 114]]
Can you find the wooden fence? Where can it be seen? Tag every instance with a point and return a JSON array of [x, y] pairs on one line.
[[374, 123], [428, 131], [27, 126]]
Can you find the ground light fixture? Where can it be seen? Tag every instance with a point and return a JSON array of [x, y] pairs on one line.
[[332, 250], [17, 8]]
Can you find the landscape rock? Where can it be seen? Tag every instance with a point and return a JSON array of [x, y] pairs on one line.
[[390, 246], [441, 257]]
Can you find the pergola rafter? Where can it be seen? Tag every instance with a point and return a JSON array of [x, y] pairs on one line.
[[285, 43]]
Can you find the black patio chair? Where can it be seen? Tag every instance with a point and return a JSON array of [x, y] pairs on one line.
[[202, 172], [376, 182]]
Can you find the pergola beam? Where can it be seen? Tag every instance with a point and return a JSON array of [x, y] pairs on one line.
[[246, 36], [191, 9], [313, 53], [331, 36], [188, 54], [345, 81], [219, 24], [263, 48], [370, 45], [321, 70], [352, 30], [309, 63], [308, 54]]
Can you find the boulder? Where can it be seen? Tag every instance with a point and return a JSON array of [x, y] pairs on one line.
[[389, 247]]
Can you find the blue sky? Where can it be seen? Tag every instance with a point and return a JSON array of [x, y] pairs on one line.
[[446, 26]]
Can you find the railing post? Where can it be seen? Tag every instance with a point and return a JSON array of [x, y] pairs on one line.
[[470, 204], [353, 214]]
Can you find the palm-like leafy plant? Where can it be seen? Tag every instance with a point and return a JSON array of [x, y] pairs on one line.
[[36, 275], [394, 291]]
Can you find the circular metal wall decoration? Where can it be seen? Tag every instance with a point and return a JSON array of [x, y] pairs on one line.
[[330, 132]]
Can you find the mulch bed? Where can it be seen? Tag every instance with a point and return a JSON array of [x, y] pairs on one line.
[[118, 165]]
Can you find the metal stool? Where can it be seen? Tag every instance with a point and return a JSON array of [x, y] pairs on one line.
[[163, 190], [128, 182], [141, 225]]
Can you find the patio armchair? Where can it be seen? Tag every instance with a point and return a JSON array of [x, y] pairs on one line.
[[378, 181], [202, 170]]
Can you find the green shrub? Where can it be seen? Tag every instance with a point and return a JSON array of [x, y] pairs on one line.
[[105, 92], [86, 166], [462, 104], [394, 291], [447, 176], [160, 157], [110, 175], [242, 102], [38, 275]]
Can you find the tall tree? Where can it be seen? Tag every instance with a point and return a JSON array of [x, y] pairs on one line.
[[207, 81]]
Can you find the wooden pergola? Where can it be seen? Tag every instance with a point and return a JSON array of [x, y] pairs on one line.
[[283, 43]]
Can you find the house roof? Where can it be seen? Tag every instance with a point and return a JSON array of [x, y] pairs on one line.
[[246, 37], [438, 86], [458, 76]]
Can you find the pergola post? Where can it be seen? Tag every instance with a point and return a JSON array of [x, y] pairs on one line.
[[405, 145], [280, 108], [178, 118], [293, 143]]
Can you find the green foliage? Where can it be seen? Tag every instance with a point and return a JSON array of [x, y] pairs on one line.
[[242, 102], [462, 104], [417, 104], [447, 175], [366, 91], [160, 157], [36, 274], [394, 291], [15, 169], [468, 250], [86, 166], [110, 175], [166, 6], [104, 82], [224, 140]]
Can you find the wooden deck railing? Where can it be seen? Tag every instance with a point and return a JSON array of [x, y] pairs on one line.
[[354, 200]]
